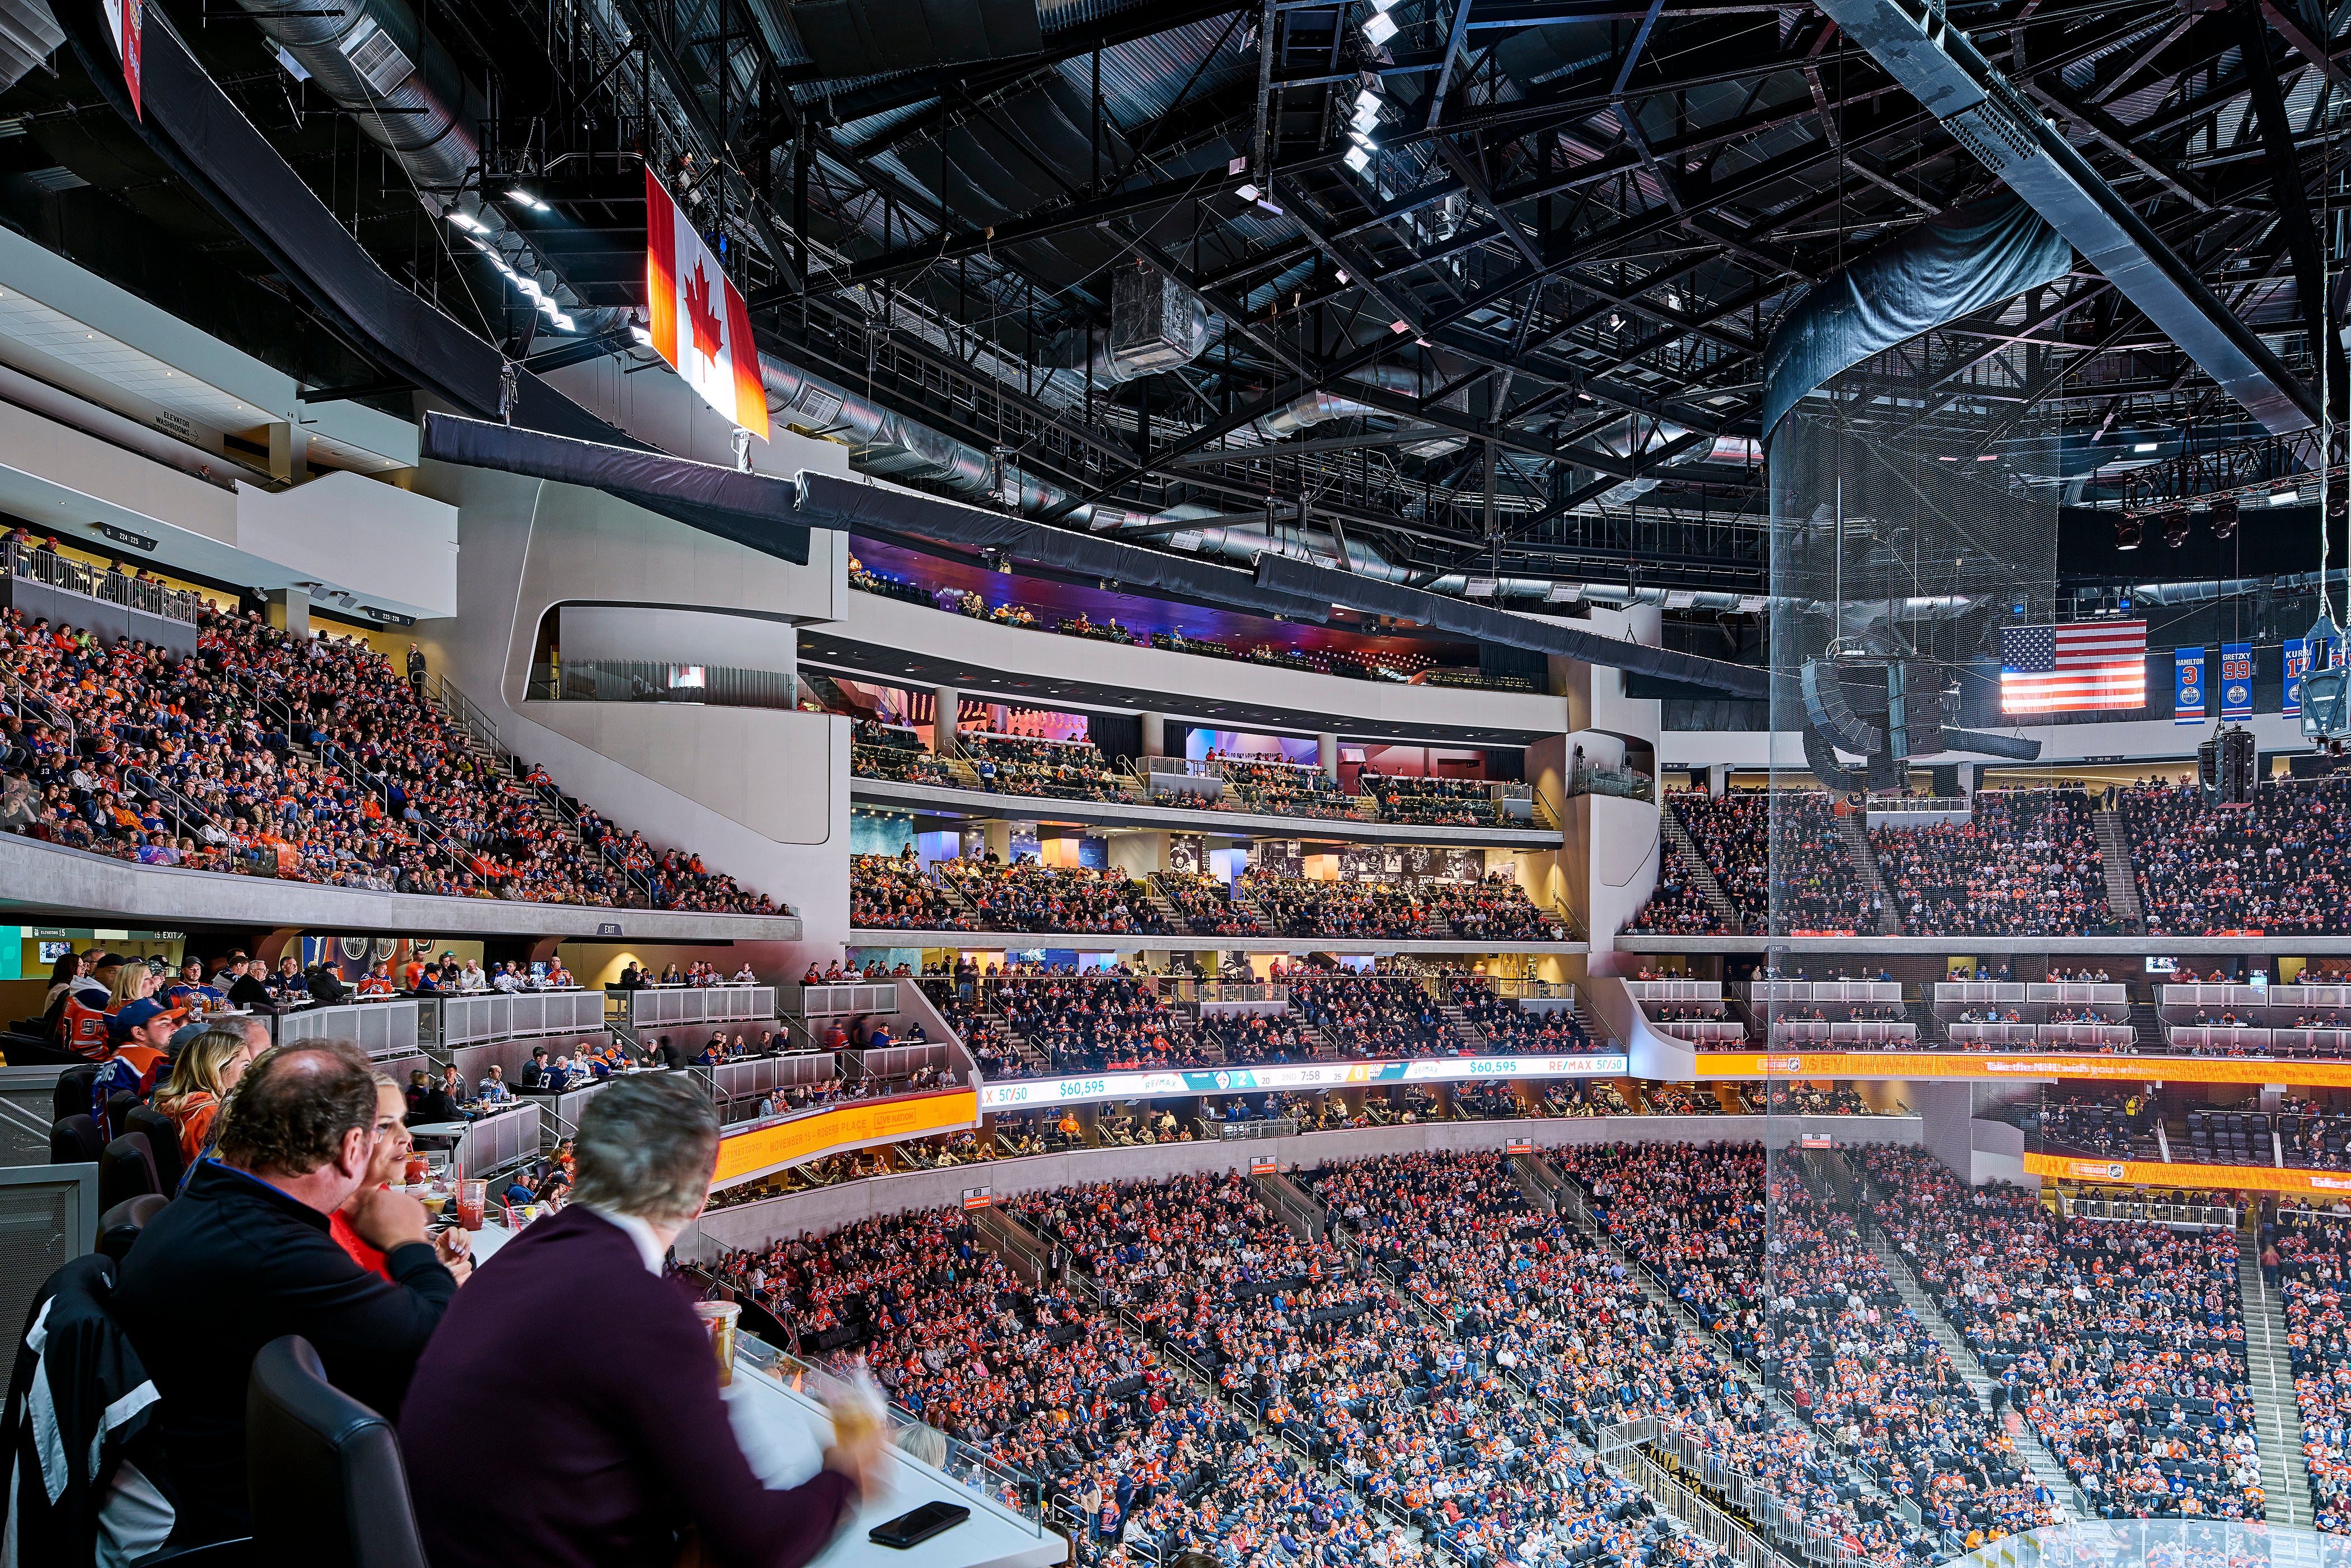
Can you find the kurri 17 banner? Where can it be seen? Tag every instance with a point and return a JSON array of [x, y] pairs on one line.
[[2236, 680], [2188, 685], [2297, 659]]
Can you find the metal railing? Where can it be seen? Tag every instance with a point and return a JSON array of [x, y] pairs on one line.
[[1621, 782], [648, 681], [2206, 1216], [66, 575], [382, 1029], [470, 1017], [667, 1006]]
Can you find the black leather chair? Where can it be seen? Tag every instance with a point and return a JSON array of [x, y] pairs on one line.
[[23, 1047], [323, 1472], [119, 1227], [75, 1139], [126, 1169], [71, 1097], [163, 1142], [118, 1106]]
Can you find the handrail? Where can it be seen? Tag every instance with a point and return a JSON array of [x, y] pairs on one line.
[[66, 575], [476, 720]]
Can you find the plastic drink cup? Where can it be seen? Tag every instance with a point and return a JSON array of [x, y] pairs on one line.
[[720, 1318], [471, 1196]]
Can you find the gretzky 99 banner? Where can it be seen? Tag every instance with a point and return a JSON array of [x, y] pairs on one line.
[[2236, 680]]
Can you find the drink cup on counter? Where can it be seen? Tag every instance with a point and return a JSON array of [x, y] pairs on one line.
[[471, 1198], [721, 1319]]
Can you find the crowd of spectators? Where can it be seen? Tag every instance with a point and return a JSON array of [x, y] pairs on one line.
[[1450, 802], [1097, 1023], [2025, 864], [2123, 1344], [1875, 1395], [300, 757], [1676, 907], [2280, 865], [892, 893], [1811, 884], [1027, 896], [2312, 1274], [892, 752], [1065, 770], [1509, 1028], [1373, 1017]]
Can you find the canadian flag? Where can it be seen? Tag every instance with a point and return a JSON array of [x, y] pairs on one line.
[[699, 324]]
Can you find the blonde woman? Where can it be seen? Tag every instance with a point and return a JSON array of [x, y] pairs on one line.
[[132, 982], [208, 1068]]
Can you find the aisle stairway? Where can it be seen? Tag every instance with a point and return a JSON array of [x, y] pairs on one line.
[[2122, 881], [2029, 1446], [1853, 1193], [1694, 866], [2286, 1482], [1853, 828], [1572, 1204], [1471, 1036]]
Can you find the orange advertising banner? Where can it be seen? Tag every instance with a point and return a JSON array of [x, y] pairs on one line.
[[2021, 1065], [779, 1144], [2161, 1172]]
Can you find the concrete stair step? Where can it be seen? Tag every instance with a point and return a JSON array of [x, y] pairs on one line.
[[2277, 1419]]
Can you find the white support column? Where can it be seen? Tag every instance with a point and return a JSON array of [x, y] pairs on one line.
[[1326, 752], [1155, 734], [289, 610], [943, 725]]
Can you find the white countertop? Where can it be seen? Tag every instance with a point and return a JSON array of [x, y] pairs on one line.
[[784, 1434]]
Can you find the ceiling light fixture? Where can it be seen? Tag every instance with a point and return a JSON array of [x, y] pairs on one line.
[[1378, 28], [2145, 446], [528, 199]]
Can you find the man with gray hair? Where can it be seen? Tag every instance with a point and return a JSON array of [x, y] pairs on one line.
[[245, 1254], [628, 1450]]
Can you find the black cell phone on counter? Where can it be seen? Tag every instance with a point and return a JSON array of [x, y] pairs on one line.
[[919, 1525]]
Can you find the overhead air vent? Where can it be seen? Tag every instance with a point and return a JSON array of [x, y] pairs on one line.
[[56, 178], [28, 34], [376, 56]]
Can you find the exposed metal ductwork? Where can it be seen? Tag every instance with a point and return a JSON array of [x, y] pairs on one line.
[[370, 60], [1993, 120], [28, 34]]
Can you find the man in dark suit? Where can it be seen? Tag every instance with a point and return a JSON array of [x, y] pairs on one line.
[[627, 1451], [668, 1055], [244, 1256]]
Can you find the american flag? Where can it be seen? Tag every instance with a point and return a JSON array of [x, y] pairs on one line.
[[2088, 665]]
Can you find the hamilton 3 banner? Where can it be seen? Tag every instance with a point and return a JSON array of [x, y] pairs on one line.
[[2188, 685], [2236, 680]]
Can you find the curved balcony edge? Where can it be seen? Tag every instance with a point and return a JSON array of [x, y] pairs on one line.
[[52, 879]]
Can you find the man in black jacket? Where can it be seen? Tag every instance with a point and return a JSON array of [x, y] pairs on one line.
[[244, 1256], [250, 990]]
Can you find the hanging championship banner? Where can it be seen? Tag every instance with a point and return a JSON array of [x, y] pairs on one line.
[[2297, 659], [2236, 680], [2188, 685]]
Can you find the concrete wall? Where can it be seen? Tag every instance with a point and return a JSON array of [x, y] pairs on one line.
[[48, 880], [845, 1203], [759, 794], [38, 601], [983, 646]]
